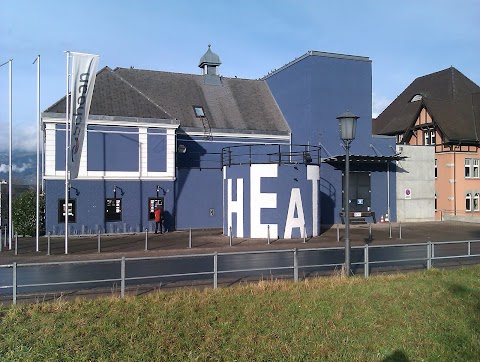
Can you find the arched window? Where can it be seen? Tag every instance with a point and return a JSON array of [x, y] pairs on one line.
[[468, 202], [476, 200], [416, 98]]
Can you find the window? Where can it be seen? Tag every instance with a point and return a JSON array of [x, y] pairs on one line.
[[72, 210], [476, 200], [436, 173], [468, 202], [468, 172], [429, 137], [475, 168], [416, 97], [199, 112], [435, 200], [113, 209]]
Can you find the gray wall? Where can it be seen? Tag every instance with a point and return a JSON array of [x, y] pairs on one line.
[[416, 173]]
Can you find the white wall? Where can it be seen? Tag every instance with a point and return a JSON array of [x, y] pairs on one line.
[[417, 174]]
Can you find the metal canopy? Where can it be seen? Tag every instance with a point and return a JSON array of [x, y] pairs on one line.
[[362, 159]]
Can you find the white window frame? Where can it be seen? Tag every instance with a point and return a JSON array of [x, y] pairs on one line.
[[476, 202], [468, 168], [468, 201], [436, 168], [475, 165]]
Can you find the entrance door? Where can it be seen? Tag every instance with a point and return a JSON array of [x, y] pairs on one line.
[[360, 193]]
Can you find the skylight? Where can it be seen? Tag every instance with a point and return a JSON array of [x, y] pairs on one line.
[[199, 112]]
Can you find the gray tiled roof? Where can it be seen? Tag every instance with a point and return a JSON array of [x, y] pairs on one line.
[[449, 97], [235, 104]]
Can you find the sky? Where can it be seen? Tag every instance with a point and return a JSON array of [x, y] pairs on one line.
[[404, 40]]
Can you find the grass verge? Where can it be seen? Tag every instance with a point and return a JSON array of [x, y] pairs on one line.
[[432, 316]]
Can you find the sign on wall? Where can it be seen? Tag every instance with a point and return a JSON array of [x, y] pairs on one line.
[[408, 194]]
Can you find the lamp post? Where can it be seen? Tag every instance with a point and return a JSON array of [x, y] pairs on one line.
[[348, 123]]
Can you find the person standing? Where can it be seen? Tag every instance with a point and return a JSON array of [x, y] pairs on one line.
[[158, 218]]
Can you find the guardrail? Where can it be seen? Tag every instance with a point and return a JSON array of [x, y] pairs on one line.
[[215, 273]]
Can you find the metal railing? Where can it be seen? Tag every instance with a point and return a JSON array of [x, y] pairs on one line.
[[429, 249]]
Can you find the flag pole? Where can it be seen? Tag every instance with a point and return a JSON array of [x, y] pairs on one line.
[[10, 224], [66, 155], [37, 218]]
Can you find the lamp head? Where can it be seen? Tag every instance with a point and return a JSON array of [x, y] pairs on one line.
[[348, 125]]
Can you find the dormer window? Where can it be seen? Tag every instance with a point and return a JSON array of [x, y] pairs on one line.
[[416, 97], [199, 112], [429, 137]]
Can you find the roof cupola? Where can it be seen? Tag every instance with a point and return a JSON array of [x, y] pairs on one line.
[[209, 62]]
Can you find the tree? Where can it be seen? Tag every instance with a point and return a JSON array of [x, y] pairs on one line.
[[24, 213]]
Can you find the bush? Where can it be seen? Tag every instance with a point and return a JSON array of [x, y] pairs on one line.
[[24, 213]]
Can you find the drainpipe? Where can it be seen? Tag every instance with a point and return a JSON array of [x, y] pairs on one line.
[[388, 190]]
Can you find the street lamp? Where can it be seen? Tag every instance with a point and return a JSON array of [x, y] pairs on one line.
[[348, 124]]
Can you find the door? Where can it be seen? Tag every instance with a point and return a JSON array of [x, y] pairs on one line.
[[360, 193]]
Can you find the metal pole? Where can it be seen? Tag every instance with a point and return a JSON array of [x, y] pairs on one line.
[[338, 232], [99, 241], [366, 264], [48, 243], [190, 238], [10, 224], [66, 153], [16, 244], [400, 230], [389, 229], [14, 284], [429, 255], [122, 276], [146, 239], [230, 236], [370, 231], [347, 209], [469, 250], [295, 265], [268, 234], [37, 219], [1, 241], [304, 233], [215, 270]]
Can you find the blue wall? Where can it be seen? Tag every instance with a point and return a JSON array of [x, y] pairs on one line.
[[314, 91], [90, 203]]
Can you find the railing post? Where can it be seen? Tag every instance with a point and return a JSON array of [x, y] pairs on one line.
[[99, 242], [268, 234], [230, 235], [16, 244], [469, 250], [190, 239], [279, 155], [146, 239], [338, 233], [400, 230], [389, 229], [14, 284], [366, 260], [122, 276], [295, 265], [429, 255], [304, 233], [48, 243], [215, 270]]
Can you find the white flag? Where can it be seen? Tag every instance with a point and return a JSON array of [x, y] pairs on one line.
[[83, 80]]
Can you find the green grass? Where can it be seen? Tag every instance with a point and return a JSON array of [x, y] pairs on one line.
[[432, 316]]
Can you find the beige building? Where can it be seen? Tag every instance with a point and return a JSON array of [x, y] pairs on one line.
[[442, 110]]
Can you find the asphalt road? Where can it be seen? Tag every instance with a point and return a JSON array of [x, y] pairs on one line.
[[276, 264]]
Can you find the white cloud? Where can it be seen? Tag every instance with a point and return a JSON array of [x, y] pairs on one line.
[[15, 168], [23, 136], [379, 103]]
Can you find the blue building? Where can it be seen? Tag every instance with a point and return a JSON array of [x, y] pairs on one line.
[[255, 157]]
